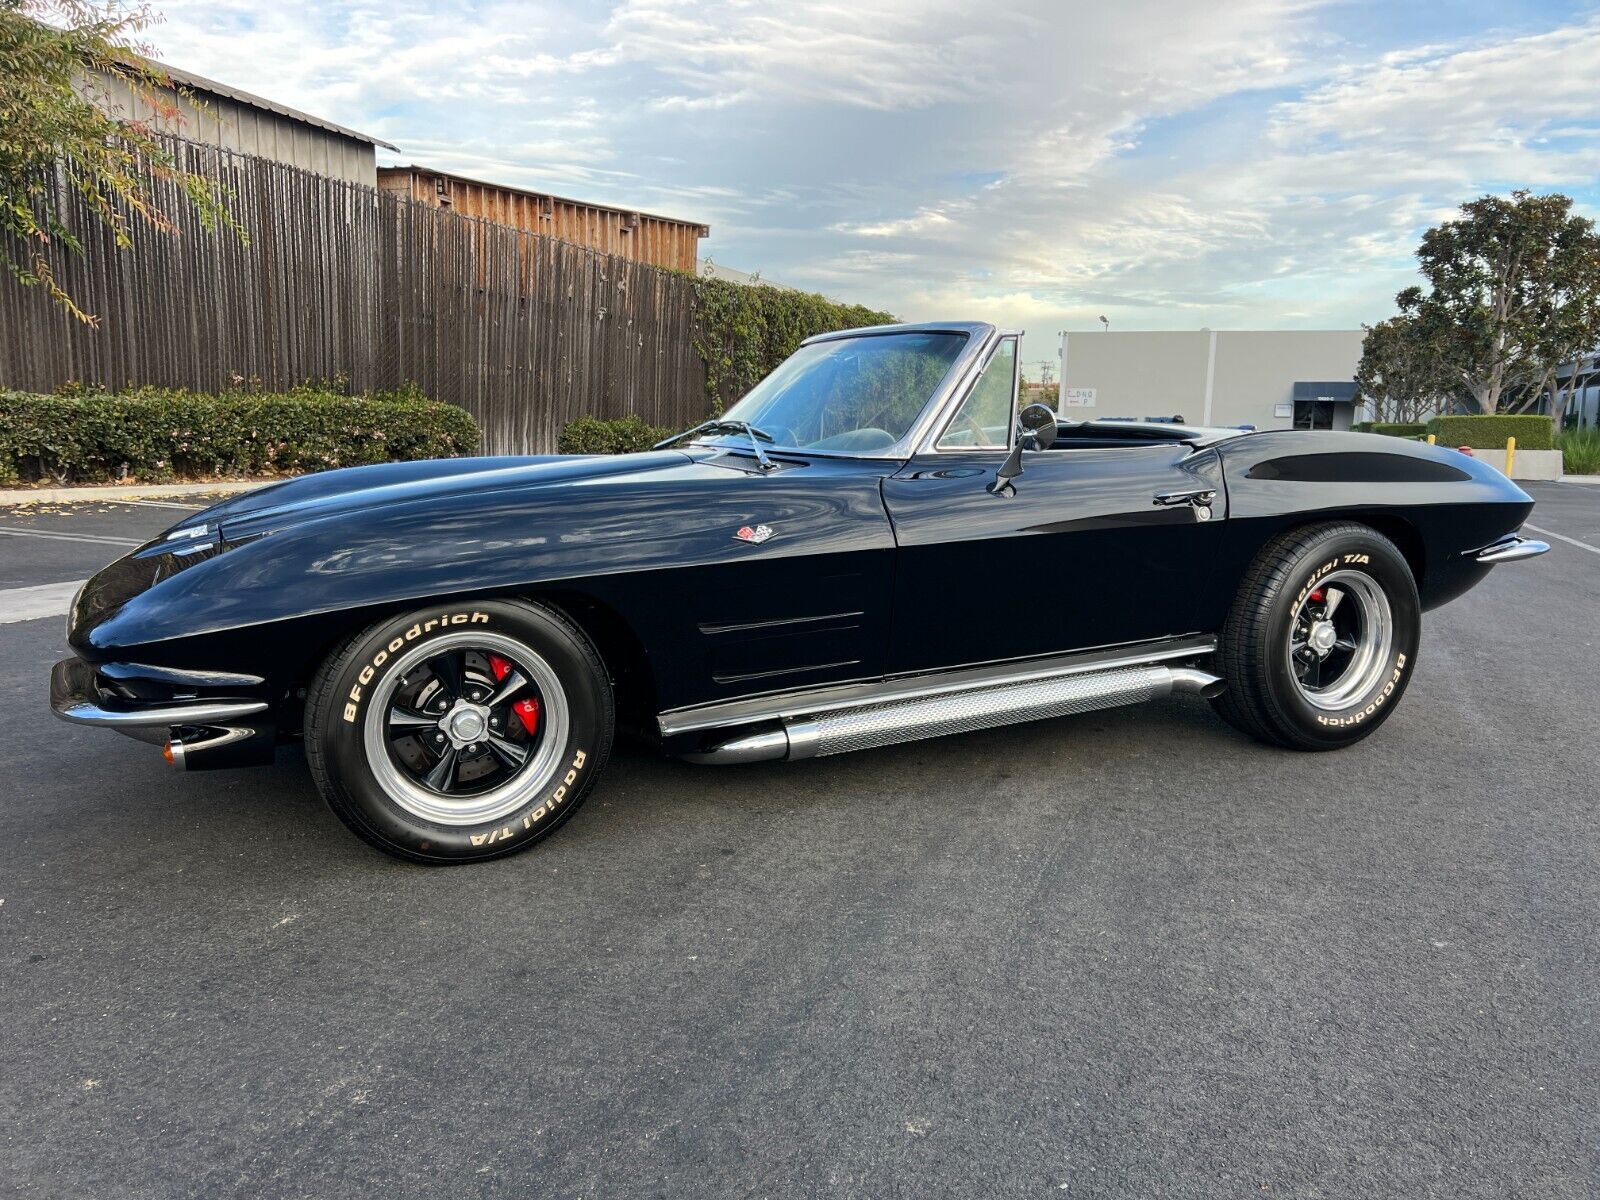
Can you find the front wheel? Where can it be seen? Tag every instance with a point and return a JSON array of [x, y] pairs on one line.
[[1322, 638], [460, 732]]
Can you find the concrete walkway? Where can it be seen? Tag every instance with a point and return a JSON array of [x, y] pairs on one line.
[[149, 491]]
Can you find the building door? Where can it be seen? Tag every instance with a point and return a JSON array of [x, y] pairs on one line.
[[1313, 414]]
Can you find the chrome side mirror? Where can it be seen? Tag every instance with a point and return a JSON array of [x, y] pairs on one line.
[[1038, 423], [1037, 431]]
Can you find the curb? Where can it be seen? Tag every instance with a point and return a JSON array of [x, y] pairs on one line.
[[1579, 479], [152, 491]]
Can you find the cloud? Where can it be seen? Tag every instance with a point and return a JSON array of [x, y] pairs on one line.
[[1257, 163]]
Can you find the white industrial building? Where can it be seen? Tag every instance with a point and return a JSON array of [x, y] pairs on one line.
[[1265, 378]]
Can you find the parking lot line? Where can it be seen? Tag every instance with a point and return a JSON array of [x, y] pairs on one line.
[[69, 537], [32, 603], [1561, 537]]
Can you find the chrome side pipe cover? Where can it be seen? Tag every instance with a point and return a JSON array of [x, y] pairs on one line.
[[886, 724]]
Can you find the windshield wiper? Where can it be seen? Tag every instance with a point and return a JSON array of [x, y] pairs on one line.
[[717, 425]]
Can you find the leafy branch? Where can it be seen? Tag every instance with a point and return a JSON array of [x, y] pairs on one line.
[[60, 136]]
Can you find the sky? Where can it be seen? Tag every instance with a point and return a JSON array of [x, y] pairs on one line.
[[1167, 164]]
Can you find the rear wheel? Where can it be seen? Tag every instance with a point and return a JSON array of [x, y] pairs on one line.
[[1322, 638], [461, 732]]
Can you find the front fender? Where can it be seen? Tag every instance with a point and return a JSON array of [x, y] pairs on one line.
[[656, 545]]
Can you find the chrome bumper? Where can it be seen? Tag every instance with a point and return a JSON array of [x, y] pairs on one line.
[[1511, 548], [75, 698]]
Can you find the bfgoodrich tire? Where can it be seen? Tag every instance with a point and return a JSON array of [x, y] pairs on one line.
[[460, 732], [1322, 638]]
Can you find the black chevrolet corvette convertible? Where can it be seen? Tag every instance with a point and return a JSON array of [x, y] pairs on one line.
[[843, 561]]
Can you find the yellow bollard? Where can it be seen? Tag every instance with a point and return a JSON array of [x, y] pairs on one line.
[[1430, 439], [1511, 454]]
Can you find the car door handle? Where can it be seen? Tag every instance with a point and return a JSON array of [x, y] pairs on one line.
[[1200, 498]]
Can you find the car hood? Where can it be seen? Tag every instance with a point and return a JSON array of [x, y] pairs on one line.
[[334, 493]]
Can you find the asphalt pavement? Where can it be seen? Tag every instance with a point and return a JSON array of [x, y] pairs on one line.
[[1127, 955]]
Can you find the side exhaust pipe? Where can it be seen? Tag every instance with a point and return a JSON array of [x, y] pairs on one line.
[[205, 748], [911, 720]]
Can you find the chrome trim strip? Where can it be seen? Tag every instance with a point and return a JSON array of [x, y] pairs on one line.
[[723, 714], [1511, 548], [84, 712]]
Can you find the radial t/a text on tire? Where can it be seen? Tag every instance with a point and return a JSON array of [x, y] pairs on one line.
[[462, 731]]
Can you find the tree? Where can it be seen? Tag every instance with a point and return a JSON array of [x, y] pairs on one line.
[[1513, 294], [1399, 370], [55, 140]]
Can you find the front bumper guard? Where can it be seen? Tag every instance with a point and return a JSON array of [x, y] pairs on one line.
[[74, 697], [199, 732], [1511, 548]]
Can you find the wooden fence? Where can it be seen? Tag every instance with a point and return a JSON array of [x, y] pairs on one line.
[[340, 282]]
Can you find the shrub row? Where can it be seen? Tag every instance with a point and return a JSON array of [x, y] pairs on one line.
[[154, 436], [1404, 429], [1490, 431], [1580, 451], [624, 435]]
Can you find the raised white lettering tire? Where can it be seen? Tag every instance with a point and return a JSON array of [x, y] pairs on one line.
[[1322, 638], [460, 732]]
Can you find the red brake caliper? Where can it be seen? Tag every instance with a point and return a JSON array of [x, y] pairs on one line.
[[527, 710]]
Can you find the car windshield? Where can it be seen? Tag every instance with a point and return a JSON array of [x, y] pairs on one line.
[[848, 395]]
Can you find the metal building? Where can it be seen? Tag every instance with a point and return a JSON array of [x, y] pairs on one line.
[[238, 120], [1271, 379], [641, 236]]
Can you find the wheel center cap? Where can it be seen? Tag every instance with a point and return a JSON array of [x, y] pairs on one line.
[[466, 725], [1322, 636]]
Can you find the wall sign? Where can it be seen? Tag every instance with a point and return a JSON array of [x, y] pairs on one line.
[[1283, 410], [1077, 397]]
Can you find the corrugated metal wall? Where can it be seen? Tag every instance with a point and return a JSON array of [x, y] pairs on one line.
[[245, 129], [337, 280], [657, 240]]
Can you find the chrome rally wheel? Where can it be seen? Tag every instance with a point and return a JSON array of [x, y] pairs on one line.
[[464, 731], [1322, 638], [1340, 639]]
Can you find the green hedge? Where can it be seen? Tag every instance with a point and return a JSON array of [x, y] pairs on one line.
[[1402, 429], [1489, 432], [625, 435], [153, 436], [743, 331]]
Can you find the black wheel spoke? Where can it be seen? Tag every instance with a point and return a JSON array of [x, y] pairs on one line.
[[442, 777], [513, 683], [508, 752], [406, 721], [448, 670]]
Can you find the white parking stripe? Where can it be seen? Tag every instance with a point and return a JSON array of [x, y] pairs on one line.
[[31, 603], [1561, 537], [161, 504], [70, 537]]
